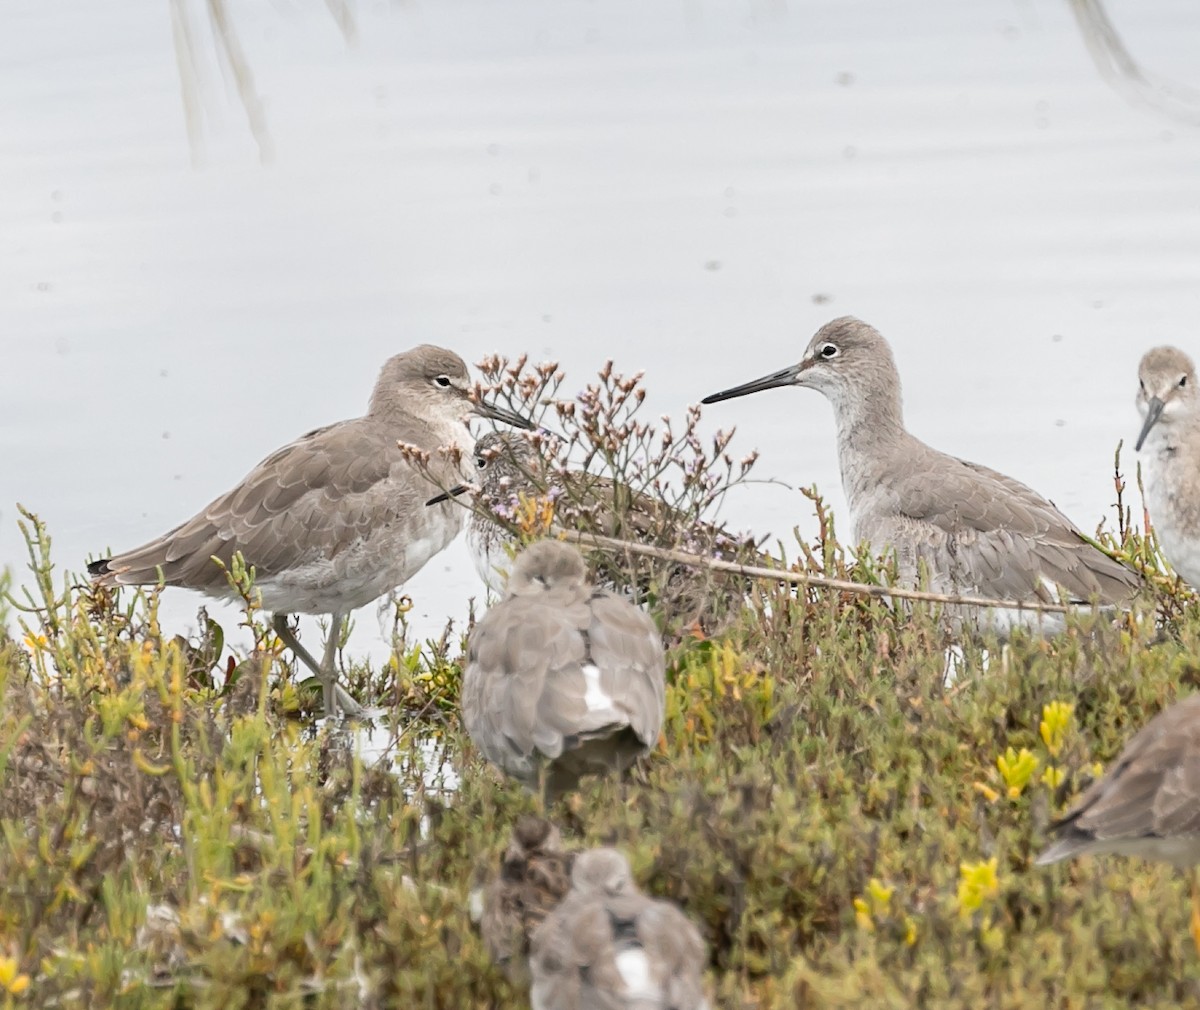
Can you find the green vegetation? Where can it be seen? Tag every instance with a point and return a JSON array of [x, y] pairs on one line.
[[847, 827]]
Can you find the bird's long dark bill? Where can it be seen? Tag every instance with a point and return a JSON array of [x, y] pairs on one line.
[[784, 377], [454, 492], [501, 414], [1153, 413]]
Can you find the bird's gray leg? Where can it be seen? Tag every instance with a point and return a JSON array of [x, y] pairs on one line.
[[343, 700], [328, 672], [280, 623]]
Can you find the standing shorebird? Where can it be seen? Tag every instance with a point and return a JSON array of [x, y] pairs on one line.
[[337, 518], [1171, 436], [1147, 805], [562, 679], [975, 531], [610, 946]]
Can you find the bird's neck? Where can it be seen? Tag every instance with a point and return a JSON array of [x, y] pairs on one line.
[[871, 434], [430, 433]]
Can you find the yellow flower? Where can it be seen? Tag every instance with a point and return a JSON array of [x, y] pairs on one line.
[[1016, 769], [535, 515], [880, 894], [1052, 777], [987, 791], [910, 931], [12, 979], [977, 883], [35, 643], [1056, 722], [862, 915]]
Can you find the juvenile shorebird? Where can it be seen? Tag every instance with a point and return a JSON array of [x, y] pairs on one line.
[[1148, 804], [1171, 437], [610, 946], [510, 475], [533, 877], [562, 679], [975, 531], [507, 469], [337, 518]]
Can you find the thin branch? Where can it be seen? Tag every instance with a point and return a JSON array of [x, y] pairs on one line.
[[801, 579]]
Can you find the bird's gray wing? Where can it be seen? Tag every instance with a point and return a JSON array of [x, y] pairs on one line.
[[1001, 538], [627, 648], [675, 951], [573, 959], [310, 497], [523, 686], [1153, 788]]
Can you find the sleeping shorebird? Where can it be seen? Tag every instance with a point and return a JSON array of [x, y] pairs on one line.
[[1170, 436], [337, 518], [533, 877], [974, 531], [1148, 804], [562, 679], [609, 947]]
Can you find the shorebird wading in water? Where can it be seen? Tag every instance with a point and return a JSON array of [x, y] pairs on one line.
[[336, 518], [1170, 438], [975, 531]]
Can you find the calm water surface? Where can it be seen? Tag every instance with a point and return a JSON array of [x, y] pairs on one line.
[[690, 188]]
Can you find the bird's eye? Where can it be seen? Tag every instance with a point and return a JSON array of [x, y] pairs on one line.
[[829, 351], [480, 463], [1183, 382], [443, 381], [1142, 384]]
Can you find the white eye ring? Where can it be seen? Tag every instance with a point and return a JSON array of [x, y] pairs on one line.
[[829, 351], [443, 381]]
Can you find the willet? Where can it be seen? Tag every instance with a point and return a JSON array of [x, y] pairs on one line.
[[1148, 804], [1171, 436], [534, 876], [337, 518], [562, 679], [608, 945], [516, 484], [973, 530]]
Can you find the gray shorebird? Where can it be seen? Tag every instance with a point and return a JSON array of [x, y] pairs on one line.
[[1148, 803], [534, 875], [975, 531], [512, 479], [336, 518], [1170, 435], [610, 947], [562, 679]]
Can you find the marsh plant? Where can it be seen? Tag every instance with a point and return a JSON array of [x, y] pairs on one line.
[[608, 469], [846, 828]]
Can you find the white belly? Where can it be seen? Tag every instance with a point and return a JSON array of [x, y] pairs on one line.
[[490, 553], [366, 569], [1172, 514]]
